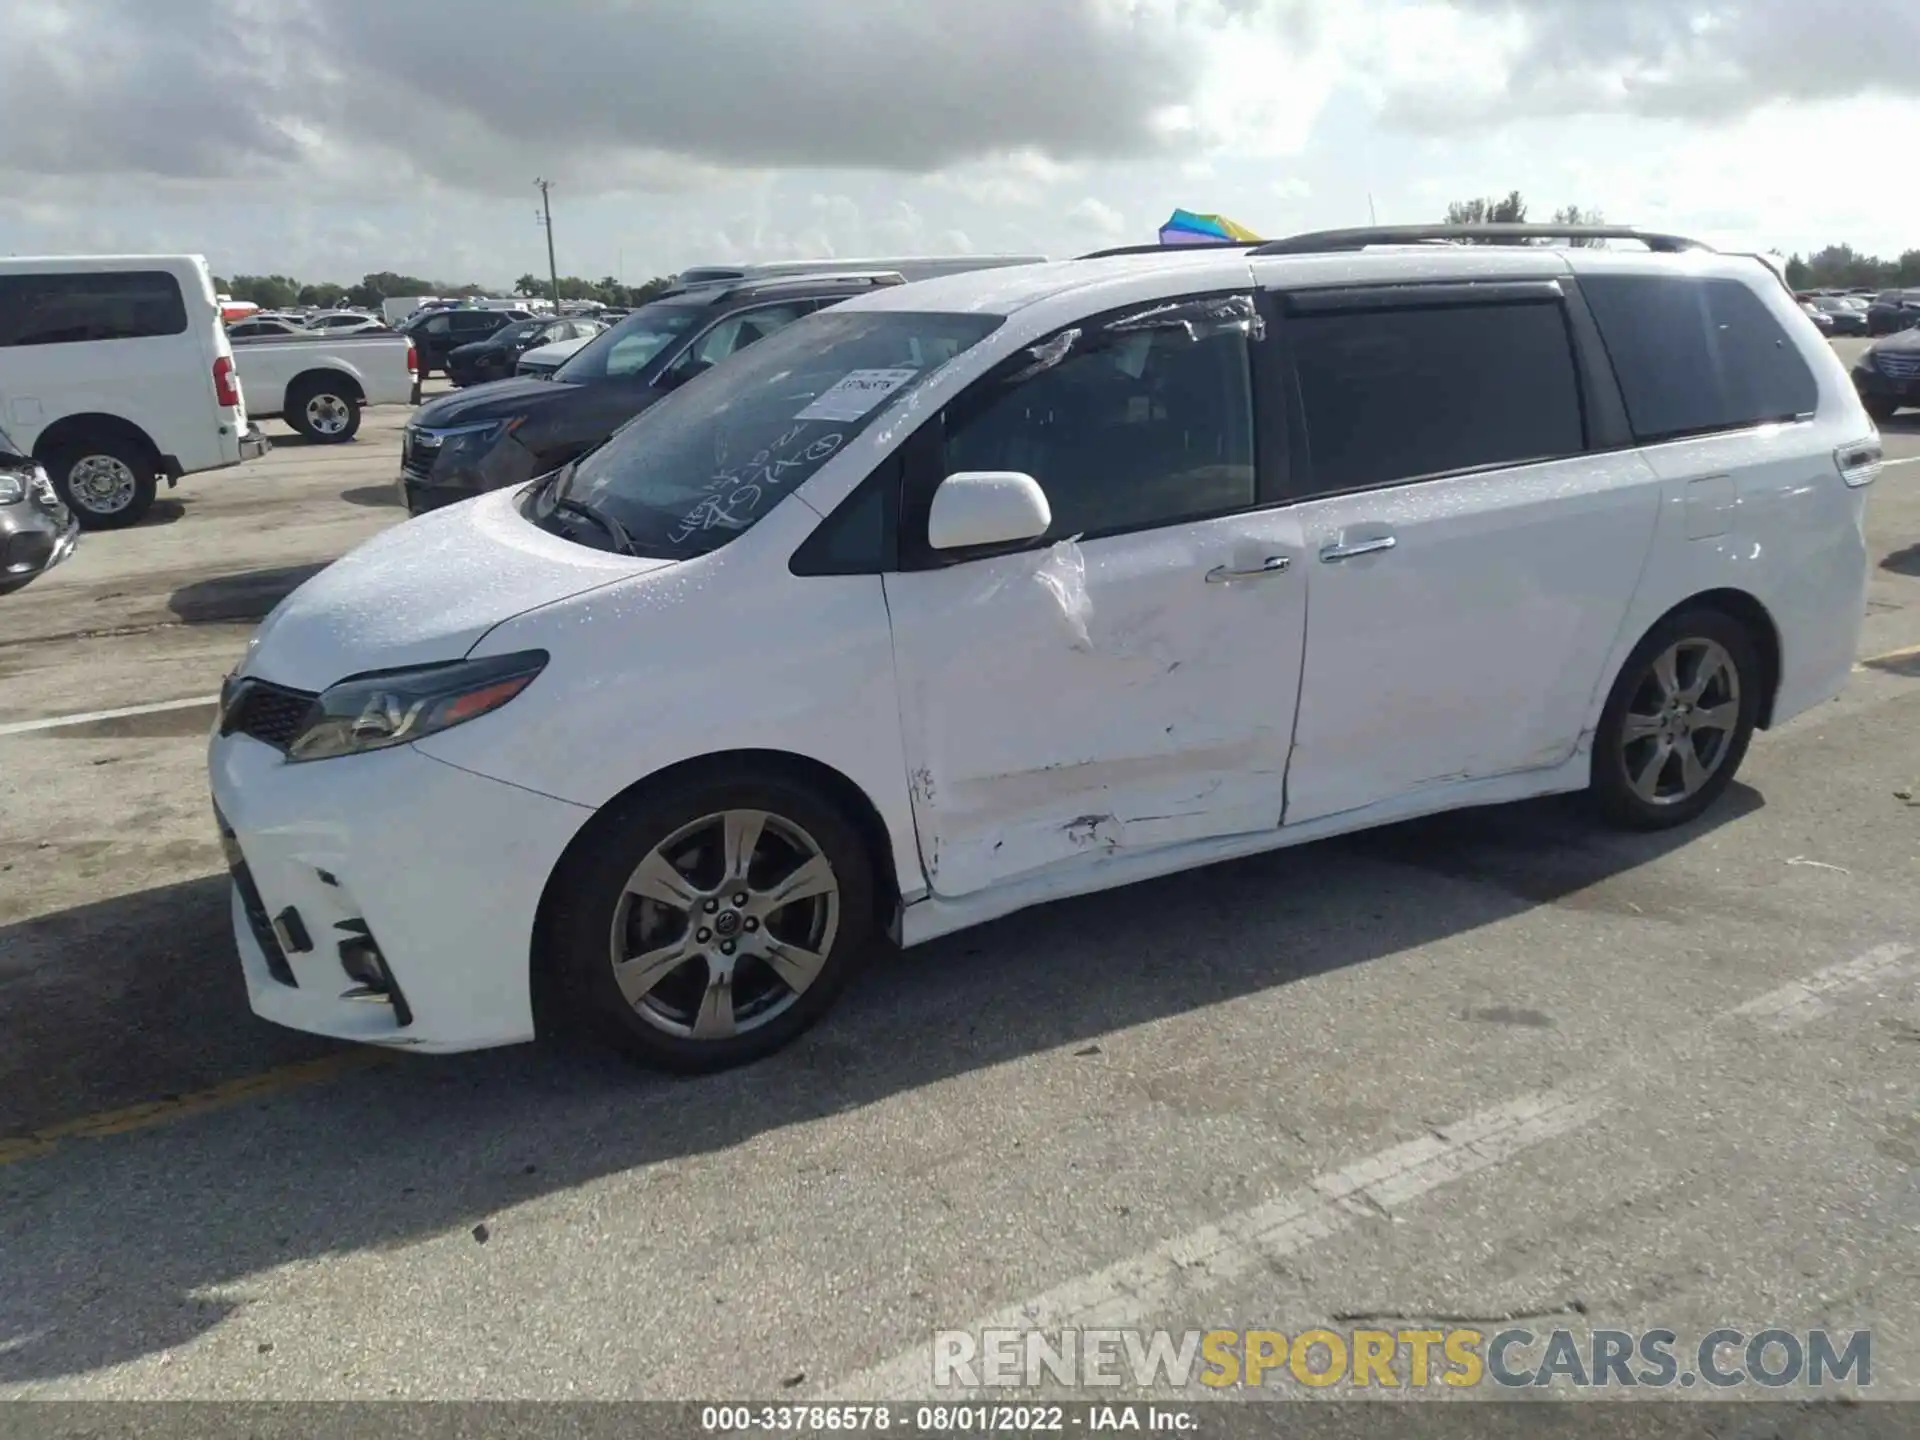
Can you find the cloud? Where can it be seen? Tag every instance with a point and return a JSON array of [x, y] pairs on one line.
[[1672, 59]]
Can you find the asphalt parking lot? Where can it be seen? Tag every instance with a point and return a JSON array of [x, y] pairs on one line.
[[1498, 1064]]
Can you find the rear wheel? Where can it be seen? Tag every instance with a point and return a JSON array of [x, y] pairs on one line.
[[325, 411], [710, 923], [1678, 722], [108, 482]]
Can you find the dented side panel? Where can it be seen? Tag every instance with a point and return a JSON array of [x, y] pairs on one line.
[[1098, 696]]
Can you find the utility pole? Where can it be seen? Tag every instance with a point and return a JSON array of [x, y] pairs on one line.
[[546, 219]]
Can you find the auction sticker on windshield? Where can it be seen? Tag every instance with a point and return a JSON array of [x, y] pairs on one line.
[[852, 396]]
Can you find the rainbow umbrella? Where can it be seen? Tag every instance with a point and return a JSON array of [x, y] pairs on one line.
[[1184, 227]]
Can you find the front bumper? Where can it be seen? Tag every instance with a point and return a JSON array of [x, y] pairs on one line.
[[1903, 388], [461, 469], [29, 551], [441, 869]]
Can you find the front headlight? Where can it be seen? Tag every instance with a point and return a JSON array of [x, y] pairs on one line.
[[13, 487], [397, 707]]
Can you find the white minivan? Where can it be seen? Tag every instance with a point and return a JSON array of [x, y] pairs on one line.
[[971, 594], [115, 370]]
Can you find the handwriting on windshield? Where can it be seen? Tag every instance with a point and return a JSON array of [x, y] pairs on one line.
[[731, 500]]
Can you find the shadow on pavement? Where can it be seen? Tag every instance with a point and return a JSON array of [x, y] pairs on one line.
[[247, 595], [1903, 562], [376, 496], [112, 1255]]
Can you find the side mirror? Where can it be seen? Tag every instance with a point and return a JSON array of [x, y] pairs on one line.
[[987, 507]]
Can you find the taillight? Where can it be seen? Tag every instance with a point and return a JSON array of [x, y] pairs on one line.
[[1859, 463], [226, 386], [413, 359]]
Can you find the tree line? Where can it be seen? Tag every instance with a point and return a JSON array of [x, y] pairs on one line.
[[282, 292], [1835, 266]]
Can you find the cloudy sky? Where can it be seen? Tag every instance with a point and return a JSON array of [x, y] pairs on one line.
[[326, 138]]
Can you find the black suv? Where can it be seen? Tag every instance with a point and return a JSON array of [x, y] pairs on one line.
[[501, 434], [493, 358], [437, 335], [37, 532]]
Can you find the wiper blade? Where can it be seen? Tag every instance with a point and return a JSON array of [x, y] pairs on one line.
[[615, 531]]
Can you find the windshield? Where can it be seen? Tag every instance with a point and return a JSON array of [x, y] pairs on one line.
[[518, 330], [631, 345], [714, 456]]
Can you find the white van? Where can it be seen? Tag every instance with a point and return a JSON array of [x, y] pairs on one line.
[[115, 370]]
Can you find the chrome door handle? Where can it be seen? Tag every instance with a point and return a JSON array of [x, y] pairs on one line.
[[1335, 551], [1272, 565]]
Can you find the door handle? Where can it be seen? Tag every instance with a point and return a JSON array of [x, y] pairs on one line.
[[1272, 565], [1335, 551]]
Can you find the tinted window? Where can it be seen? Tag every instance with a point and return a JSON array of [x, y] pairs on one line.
[[1129, 430], [714, 456], [1396, 394], [1695, 356], [477, 322], [66, 309], [736, 332]]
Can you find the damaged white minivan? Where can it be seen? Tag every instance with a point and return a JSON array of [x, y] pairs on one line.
[[992, 589]]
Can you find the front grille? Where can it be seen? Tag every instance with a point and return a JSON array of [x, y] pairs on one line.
[[1900, 364], [418, 452], [268, 713]]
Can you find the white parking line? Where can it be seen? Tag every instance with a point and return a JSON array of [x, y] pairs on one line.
[[1903, 460], [1129, 1293], [1792, 1006], [55, 722]]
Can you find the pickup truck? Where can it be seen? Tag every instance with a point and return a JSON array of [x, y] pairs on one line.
[[320, 383]]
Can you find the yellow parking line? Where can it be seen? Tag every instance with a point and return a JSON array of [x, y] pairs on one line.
[[277, 1081], [1872, 660]]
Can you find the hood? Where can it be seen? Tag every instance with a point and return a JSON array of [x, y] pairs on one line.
[[1899, 340], [425, 591], [476, 347], [496, 400], [560, 350]]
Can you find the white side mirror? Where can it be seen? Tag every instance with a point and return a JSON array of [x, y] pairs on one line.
[[987, 507]]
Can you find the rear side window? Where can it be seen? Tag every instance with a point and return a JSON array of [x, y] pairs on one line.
[[1695, 356], [1392, 395], [70, 309]]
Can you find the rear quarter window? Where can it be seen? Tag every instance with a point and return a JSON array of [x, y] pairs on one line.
[[1695, 356], [68, 309]]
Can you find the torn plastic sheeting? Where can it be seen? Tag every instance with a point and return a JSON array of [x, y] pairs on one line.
[[1201, 319], [1064, 574], [1046, 355]]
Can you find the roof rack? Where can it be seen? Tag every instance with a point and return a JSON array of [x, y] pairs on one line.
[[1321, 242], [1156, 249], [719, 288]]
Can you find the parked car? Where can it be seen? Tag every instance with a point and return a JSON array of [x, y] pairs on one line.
[[494, 357], [319, 383], [967, 595], [543, 362], [502, 434], [348, 321], [256, 325], [116, 370], [438, 333], [1887, 374], [1893, 311], [1844, 317], [1822, 321], [37, 532]]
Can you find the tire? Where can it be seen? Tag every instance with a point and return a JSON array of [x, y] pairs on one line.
[[107, 482], [1692, 639], [680, 830], [325, 411], [1880, 410]]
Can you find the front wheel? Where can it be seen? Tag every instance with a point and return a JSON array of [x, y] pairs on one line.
[[709, 923], [1880, 410], [1678, 721]]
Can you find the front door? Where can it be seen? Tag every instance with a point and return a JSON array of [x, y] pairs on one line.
[[1128, 689], [1471, 552]]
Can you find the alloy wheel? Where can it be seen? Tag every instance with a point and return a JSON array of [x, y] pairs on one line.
[[1681, 721], [328, 414], [725, 924]]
